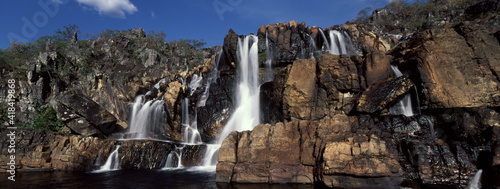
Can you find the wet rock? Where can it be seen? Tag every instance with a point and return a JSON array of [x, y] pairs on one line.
[[383, 93]]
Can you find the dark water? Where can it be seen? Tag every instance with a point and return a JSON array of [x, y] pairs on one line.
[[174, 179]]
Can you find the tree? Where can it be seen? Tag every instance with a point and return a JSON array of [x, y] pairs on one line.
[[68, 32], [363, 15]]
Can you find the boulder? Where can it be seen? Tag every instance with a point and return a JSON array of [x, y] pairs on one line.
[[83, 115], [382, 94]]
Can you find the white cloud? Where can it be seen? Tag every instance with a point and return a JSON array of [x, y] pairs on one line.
[[153, 15], [113, 8], [390, 1]]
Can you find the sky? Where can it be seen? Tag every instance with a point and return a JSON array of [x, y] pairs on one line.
[[210, 20]]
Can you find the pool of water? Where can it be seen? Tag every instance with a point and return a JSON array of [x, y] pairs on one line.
[[171, 179]]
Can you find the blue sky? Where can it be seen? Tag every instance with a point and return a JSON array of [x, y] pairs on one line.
[[210, 20]]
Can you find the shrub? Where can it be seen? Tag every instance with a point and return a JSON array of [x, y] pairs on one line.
[[45, 118]]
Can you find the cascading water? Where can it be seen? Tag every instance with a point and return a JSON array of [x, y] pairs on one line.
[[147, 118], [327, 45], [339, 43], [246, 115], [404, 106], [195, 83], [211, 78], [191, 134], [174, 159], [269, 62], [112, 163], [312, 47], [475, 182]]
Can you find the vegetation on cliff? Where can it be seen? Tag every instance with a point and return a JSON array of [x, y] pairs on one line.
[[403, 16], [62, 62]]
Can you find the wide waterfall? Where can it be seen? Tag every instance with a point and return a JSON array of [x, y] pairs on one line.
[[146, 119], [404, 106], [247, 113]]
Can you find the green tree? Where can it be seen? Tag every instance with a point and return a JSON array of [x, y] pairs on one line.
[[45, 118], [67, 32]]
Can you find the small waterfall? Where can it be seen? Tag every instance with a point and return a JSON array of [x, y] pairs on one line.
[[211, 159], [146, 118], [340, 43], [174, 159], [112, 163], [247, 113], [211, 78], [312, 47], [269, 62], [195, 83], [404, 106], [325, 41], [191, 134], [475, 182]]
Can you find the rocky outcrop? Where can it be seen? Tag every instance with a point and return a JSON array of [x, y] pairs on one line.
[[377, 97], [37, 150], [457, 66], [84, 116], [336, 129]]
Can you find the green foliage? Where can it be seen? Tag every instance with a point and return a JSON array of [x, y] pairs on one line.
[[193, 42], [262, 56], [67, 32], [412, 16], [107, 33], [45, 118]]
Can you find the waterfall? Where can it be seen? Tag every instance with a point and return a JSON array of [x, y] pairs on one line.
[[339, 43], [404, 106], [191, 134], [312, 47], [195, 83], [325, 41], [247, 113], [146, 118], [112, 162], [211, 78], [174, 159], [475, 182], [269, 62]]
